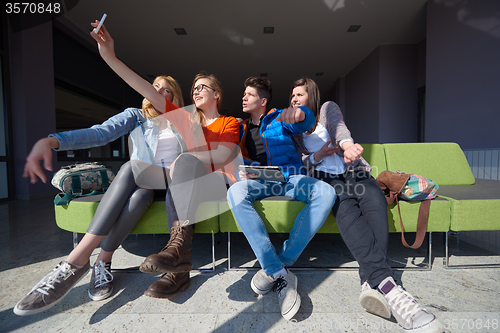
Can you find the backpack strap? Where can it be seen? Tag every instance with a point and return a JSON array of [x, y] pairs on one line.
[[63, 199], [423, 212]]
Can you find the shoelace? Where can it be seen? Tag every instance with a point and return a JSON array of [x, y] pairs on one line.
[[408, 307], [102, 274], [174, 239], [170, 277], [279, 284], [59, 273]]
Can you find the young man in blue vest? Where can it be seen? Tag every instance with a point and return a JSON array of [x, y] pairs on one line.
[[266, 139]]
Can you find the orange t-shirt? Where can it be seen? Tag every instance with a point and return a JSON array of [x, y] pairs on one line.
[[224, 130]]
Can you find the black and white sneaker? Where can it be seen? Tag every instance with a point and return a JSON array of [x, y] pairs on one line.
[[410, 315], [101, 282]]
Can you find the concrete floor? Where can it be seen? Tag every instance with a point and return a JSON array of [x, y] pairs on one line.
[[466, 300]]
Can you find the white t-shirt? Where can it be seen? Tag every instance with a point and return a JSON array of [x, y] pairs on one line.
[[168, 148], [332, 164]]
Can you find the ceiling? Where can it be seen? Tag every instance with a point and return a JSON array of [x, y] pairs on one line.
[[225, 37]]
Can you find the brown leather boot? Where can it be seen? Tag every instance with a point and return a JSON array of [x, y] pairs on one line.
[[168, 285], [176, 255]]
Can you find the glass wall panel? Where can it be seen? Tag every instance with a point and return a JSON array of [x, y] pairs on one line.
[[4, 181], [3, 125]]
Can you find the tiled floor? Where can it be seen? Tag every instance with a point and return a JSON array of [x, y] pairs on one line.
[[466, 300]]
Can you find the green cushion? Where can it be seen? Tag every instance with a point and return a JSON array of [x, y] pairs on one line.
[[374, 154], [77, 214], [279, 213], [438, 219], [444, 163], [474, 207]]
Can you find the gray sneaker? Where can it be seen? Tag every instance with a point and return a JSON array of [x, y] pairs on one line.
[[101, 282], [261, 283], [410, 315], [373, 301], [289, 298], [51, 289]]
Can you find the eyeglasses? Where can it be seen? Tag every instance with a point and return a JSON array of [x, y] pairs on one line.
[[200, 87]]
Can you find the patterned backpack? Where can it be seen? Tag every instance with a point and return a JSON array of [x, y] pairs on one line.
[[81, 179]]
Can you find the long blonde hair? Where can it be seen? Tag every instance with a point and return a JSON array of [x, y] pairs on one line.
[[148, 110], [199, 117], [313, 97]]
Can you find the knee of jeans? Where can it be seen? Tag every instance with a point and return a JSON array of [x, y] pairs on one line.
[[232, 193], [238, 192], [327, 191]]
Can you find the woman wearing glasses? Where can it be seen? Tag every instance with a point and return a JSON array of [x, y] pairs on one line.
[[126, 200], [198, 176]]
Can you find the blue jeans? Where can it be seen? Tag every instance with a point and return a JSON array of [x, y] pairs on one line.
[[319, 198]]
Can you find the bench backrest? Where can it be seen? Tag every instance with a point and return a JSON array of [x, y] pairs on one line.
[[443, 162], [374, 154]]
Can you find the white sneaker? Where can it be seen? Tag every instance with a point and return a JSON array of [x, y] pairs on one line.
[[373, 301], [289, 298], [261, 283], [410, 315]]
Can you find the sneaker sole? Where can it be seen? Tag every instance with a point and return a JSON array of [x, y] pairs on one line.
[[295, 308], [101, 297], [435, 326], [156, 268], [20, 312], [259, 291], [375, 304], [296, 305], [184, 287]]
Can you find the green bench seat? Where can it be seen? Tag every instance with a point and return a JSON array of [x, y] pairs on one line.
[[474, 203], [463, 203], [77, 214]]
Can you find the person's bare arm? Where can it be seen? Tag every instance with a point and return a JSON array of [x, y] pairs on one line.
[[143, 87], [41, 151]]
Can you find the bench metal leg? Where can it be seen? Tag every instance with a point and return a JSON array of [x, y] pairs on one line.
[[427, 266], [446, 251], [446, 259]]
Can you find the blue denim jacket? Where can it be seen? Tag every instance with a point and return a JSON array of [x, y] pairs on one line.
[[143, 134]]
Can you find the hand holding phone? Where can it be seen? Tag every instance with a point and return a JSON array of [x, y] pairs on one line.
[[100, 23]]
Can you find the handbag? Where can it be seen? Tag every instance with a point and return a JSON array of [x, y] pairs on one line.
[[81, 179], [410, 187]]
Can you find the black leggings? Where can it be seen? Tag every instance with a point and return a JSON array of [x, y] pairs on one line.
[[361, 215], [126, 200], [190, 186]]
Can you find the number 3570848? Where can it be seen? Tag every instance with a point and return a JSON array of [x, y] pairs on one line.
[[32, 7]]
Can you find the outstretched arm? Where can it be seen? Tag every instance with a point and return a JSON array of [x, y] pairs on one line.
[[41, 151], [297, 119], [107, 50]]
